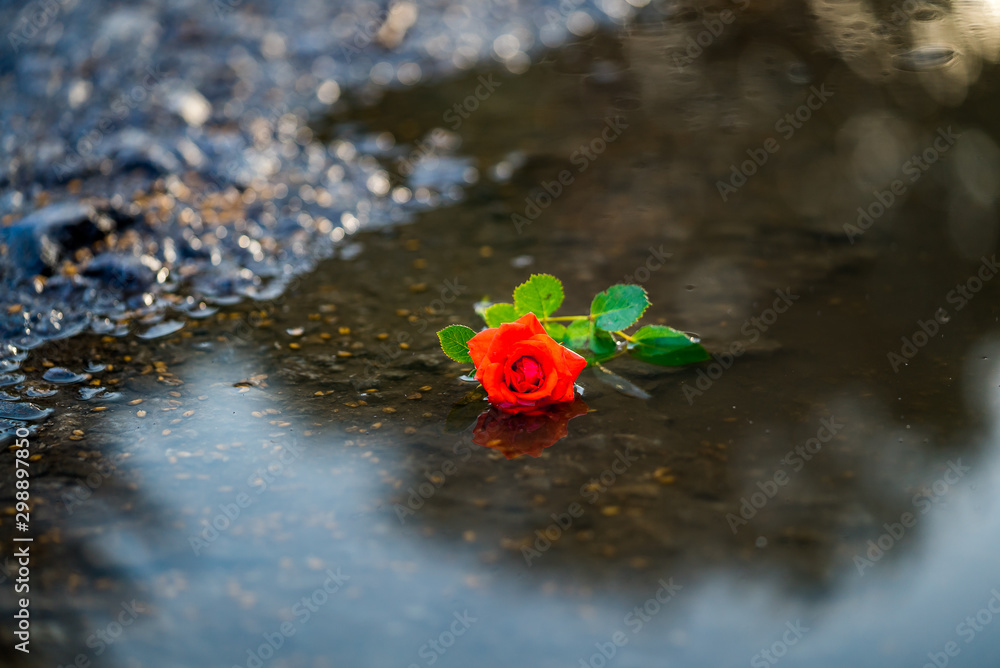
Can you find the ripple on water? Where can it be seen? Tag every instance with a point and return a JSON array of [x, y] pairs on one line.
[[88, 393], [165, 328], [63, 376], [40, 392], [11, 379], [8, 431], [22, 411], [924, 58]]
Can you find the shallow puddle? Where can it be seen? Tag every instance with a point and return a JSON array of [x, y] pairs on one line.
[[296, 481]]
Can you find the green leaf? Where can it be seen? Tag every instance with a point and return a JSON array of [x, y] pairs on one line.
[[665, 346], [619, 307], [455, 342], [541, 294], [556, 330], [595, 345], [578, 334], [498, 314]]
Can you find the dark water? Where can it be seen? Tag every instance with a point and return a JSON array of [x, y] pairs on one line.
[[292, 480]]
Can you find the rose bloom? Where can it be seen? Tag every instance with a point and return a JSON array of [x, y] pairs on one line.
[[522, 368]]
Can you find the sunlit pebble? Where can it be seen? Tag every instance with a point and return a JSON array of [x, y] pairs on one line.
[[328, 92], [409, 74], [79, 92], [506, 46], [378, 184], [296, 331], [350, 222], [502, 171], [522, 261], [273, 46], [192, 106], [382, 73], [580, 23], [346, 152], [616, 9], [401, 195]]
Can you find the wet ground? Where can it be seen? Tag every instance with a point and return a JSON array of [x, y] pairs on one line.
[[291, 480]]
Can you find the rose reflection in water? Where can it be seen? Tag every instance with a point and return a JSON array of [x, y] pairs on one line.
[[526, 433]]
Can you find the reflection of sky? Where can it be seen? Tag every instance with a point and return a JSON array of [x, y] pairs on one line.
[[405, 588]]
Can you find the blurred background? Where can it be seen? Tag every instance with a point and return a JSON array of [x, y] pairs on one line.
[[229, 231]]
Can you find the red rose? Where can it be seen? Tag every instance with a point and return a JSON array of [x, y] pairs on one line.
[[523, 368], [526, 433]]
